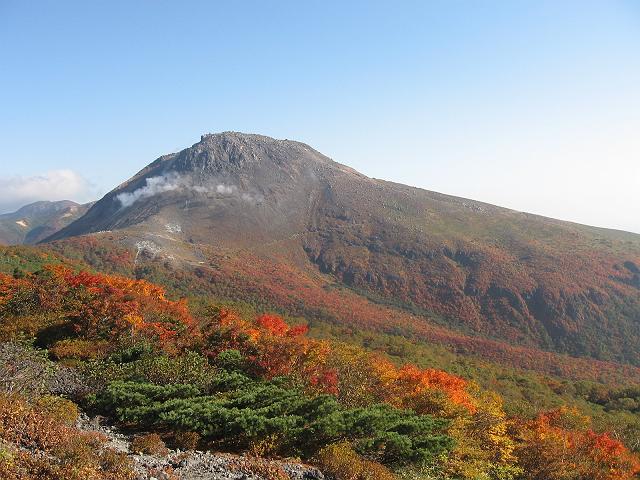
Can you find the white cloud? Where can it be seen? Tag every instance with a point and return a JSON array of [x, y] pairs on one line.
[[18, 191]]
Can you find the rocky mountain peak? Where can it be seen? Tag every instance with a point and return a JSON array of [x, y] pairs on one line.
[[233, 151], [225, 177]]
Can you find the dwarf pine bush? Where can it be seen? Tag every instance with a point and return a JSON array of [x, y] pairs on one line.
[[254, 411]]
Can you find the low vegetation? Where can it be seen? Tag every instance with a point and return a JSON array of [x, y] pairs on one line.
[[37, 443], [212, 377]]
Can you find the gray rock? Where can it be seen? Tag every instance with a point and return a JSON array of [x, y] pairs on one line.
[[196, 465]]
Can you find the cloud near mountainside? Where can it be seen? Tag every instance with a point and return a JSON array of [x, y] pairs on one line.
[[18, 191], [172, 181]]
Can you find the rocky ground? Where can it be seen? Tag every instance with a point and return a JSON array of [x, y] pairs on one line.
[[198, 465]]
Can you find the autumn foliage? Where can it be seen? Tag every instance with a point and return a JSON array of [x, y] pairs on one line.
[[137, 341], [38, 445], [90, 310], [342, 463], [560, 444], [488, 442], [352, 374]]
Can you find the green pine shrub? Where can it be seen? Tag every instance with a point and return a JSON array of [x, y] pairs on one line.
[[255, 411]]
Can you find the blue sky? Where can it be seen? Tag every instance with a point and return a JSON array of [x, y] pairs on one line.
[[532, 105]]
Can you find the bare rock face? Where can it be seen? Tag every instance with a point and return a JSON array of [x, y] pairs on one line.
[[481, 269]]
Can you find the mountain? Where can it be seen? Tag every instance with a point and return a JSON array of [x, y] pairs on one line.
[[280, 221], [38, 220]]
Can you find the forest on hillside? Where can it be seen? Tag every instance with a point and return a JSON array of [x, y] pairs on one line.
[[209, 376]]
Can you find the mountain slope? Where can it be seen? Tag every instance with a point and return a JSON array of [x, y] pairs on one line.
[[38, 220], [479, 269]]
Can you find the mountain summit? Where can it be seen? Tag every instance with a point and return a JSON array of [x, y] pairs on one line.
[[472, 267], [226, 186]]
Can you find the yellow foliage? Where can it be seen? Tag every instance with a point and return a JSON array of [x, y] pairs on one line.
[[64, 410], [484, 448]]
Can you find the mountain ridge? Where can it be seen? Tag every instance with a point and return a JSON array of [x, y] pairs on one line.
[[38, 220], [486, 270]]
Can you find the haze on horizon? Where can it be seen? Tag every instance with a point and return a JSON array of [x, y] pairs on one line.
[[530, 105]]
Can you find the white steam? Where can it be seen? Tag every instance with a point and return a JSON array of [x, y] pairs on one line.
[[173, 181], [226, 189], [153, 186]]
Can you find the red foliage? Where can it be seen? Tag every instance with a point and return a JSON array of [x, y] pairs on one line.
[[278, 349], [256, 277], [97, 305], [559, 444], [275, 325]]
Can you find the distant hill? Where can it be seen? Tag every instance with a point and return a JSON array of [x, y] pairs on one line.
[[319, 235], [38, 220]]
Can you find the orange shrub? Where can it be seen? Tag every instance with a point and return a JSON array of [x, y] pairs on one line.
[[415, 388], [559, 445], [58, 304]]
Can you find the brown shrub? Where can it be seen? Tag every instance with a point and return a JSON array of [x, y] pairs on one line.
[[35, 445], [265, 447], [150, 444], [165, 473], [78, 349], [259, 467], [25, 465], [186, 440], [23, 370], [342, 463], [25, 426]]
